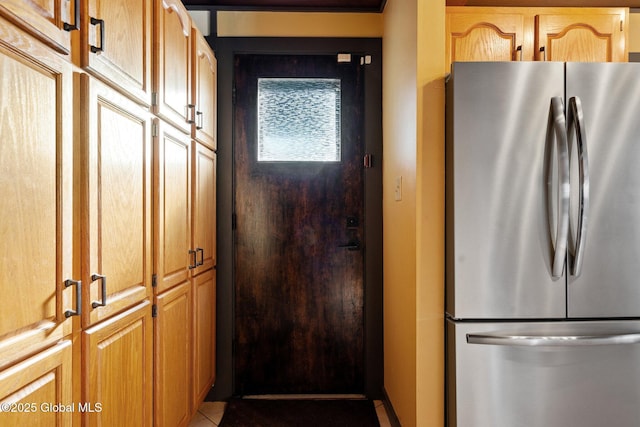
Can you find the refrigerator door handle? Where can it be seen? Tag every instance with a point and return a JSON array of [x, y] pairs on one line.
[[553, 340], [557, 128], [575, 123]]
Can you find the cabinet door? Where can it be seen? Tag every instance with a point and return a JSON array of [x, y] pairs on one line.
[[38, 390], [172, 64], [484, 36], [174, 254], [117, 369], [115, 44], [204, 334], [115, 151], [204, 91], [36, 194], [45, 19], [172, 355], [590, 35], [204, 207]]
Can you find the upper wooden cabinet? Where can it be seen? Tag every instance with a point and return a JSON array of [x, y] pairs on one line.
[[172, 65], [527, 34], [115, 44], [582, 36], [204, 90], [36, 195], [50, 21]]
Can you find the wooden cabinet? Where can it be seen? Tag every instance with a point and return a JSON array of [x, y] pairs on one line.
[[36, 195], [526, 34], [115, 44], [117, 367], [172, 64], [204, 207], [582, 36], [115, 181], [50, 21], [204, 335], [38, 390], [205, 69], [173, 362]]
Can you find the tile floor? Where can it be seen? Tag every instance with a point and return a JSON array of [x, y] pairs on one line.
[[210, 413]]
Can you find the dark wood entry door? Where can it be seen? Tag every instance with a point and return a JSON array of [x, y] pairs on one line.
[[298, 232]]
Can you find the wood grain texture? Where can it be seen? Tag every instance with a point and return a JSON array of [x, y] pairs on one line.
[[299, 296], [172, 64], [204, 335], [125, 60], [117, 369], [204, 84], [36, 235], [204, 207], [173, 374]]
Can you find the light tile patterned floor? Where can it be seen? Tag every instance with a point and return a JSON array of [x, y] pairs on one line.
[[210, 413]]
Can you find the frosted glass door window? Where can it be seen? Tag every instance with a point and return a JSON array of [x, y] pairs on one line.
[[298, 120]]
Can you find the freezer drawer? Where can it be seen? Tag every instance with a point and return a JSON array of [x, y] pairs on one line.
[[587, 376]]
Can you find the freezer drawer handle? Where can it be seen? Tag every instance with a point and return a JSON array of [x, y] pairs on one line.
[[553, 340], [557, 127], [575, 123]]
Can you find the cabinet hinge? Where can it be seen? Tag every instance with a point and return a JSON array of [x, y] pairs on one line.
[[154, 281], [233, 95], [368, 161], [621, 25], [154, 130], [154, 310], [234, 221], [154, 98]]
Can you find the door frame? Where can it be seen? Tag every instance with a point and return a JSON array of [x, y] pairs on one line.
[[226, 48]]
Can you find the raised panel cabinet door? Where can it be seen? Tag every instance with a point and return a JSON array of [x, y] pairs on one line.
[[38, 390], [36, 195], [204, 207], [485, 35], [205, 72], [115, 180], [49, 20], [204, 335], [117, 369], [115, 44], [172, 64], [174, 253], [173, 357], [589, 35]]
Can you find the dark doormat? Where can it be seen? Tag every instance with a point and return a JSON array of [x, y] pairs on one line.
[[299, 413]]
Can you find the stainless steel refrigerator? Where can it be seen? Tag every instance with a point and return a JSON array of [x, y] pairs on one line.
[[543, 245]]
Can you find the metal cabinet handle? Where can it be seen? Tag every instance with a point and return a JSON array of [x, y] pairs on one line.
[[191, 113], [78, 285], [544, 53], [201, 262], [98, 49], [553, 340], [195, 259], [519, 51], [103, 280], [556, 128], [576, 127], [200, 120], [76, 18]]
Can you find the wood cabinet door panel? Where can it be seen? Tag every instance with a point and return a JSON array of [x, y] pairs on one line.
[[204, 207], [584, 37], [485, 37], [36, 200], [205, 91], [173, 360], [123, 55], [172, 207], [117, 369], [172, 64], [44, 19], [116, 178], [31, 388], [204, 334]]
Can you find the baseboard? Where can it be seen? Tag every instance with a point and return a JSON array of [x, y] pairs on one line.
[[391, 413]]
